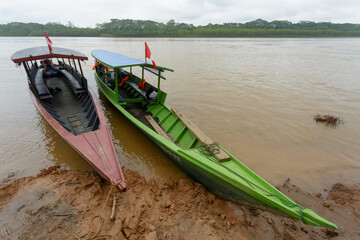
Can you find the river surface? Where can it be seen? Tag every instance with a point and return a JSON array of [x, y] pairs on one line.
[[256, 97]]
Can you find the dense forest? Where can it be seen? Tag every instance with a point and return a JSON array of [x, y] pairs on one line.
[[147, 28]]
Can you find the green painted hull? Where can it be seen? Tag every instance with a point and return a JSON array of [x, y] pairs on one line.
[[231, 180]]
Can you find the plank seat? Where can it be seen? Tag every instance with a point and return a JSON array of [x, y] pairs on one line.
[[136, 88], [76, 86], [40, 86]]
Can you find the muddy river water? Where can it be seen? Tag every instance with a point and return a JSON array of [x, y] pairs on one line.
[[257, 97]]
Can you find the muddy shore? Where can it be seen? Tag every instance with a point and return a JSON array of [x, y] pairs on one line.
[[60, 204]]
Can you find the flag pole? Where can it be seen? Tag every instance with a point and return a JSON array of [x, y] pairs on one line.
[[143, 66], [145, 51], [49, 42]]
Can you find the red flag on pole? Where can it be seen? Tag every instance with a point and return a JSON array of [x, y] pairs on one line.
[[49, 42], [148, 55]]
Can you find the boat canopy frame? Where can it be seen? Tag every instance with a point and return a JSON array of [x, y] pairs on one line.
[[43, 52], [31, 55], [117, 61], [39, 53]]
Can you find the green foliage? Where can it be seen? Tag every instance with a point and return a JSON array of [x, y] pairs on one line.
[[147, 28]]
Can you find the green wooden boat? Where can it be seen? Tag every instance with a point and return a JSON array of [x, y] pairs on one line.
[[187, 146]]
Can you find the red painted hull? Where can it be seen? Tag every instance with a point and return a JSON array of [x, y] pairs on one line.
[[95, 147]]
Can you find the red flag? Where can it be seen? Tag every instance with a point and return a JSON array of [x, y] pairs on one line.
[[49, 42], [148, 55]]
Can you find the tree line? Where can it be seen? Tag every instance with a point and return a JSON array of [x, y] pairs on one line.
[[148, 28]]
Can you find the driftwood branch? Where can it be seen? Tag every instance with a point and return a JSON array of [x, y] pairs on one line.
[[327, 119], [112, 216]]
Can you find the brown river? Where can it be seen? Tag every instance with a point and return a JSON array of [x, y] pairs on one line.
[[256, 97]]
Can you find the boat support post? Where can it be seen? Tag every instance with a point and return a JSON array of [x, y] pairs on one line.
[[27, 70], [103, 68], [159, 91], [75, 64], [80, 68], [116, 83], [84, 83], [142, 78]]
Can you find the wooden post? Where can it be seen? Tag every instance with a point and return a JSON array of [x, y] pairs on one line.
[[112, 216]]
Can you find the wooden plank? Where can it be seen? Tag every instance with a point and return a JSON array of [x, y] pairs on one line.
[[72, 119], [221, 156], [157, 128], [75, 123], [192, 127]]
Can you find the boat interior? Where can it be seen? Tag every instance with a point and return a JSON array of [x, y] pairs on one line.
[[62, 91]]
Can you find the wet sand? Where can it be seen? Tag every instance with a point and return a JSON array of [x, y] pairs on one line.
[[60, 204]]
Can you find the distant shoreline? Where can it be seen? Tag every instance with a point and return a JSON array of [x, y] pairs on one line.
[[145, 28]]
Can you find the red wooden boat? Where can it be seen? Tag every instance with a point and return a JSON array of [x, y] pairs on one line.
[[61, 94]]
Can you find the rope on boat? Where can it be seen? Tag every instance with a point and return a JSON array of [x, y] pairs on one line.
[[209, 150], [289, 204]]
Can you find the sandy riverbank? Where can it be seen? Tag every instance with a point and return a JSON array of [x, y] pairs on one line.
[[59, 204]]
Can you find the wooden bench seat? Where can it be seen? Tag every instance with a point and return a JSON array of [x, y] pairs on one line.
[[73, 82], [136, 87], [40, 86], [139, 90]]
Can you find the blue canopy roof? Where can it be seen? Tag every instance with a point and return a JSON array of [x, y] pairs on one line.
[[115, 60]]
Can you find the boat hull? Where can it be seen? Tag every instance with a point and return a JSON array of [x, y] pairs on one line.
[[230, 180], [213, 183], [96, 147]]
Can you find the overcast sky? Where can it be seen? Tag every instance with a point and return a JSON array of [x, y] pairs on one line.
[[86, 13]]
